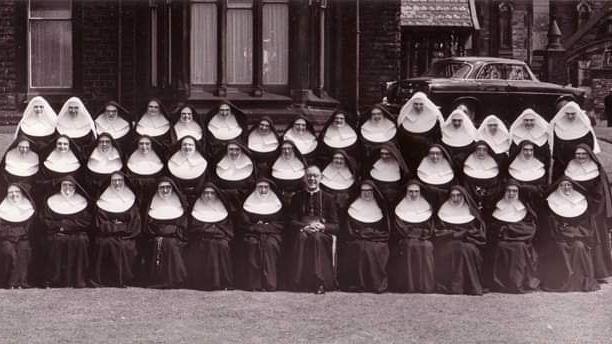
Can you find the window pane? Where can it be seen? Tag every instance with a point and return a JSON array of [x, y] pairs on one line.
[[239, 46], [275, 44], [51, 53], [239, 3], [50, 9], [203, 44]]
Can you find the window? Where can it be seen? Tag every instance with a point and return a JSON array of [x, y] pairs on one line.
[[505, 25], [50, 44], [275, 39], [517, 72], [491, 72]]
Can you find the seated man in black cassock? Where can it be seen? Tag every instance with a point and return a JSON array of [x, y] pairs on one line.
[[312, 247]]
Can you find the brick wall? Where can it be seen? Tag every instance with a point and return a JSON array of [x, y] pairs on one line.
[[8, 47], [600, 89], [520, 31]]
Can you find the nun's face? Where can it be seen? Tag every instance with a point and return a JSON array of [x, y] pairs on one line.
[[67, 188], [186, 115], [111, 112], [339, 120], [153, 108], [456, 197], [287, 151], [338, 161], [418, 105], [264, 127], [367, 192], [566, 187], [435, 155], [414, 192], [263, 188], [62, 145], [224, 110], [582, 156], [104, 143], [117, 182], [481, 151], [529, 122], [188, 146], [527, 152], [209, 194], [385, 154], [492, 127], [233, 151], [38, 108], [144, 145], [300, 126], [14, 194], [570, 115], [73, 109], [23, 147], [457, 122], [512, 192], [377, 115], [164, 190]]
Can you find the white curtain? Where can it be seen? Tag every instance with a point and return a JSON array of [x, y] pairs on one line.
[[239, 66], [275, 44], [203, 43], [51, 53]]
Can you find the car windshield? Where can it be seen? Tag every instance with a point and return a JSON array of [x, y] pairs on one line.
[[449, 69]]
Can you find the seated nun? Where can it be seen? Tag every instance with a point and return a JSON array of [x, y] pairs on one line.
[[166, 224], [263, 141], [377, 127], [67, 221], [118, 223], [224, 125], [155, 123], [365, 249], [566, 263], [61, 162], [38, 123], [75, 122], [482, 177], [262, 228], [188, 167], [530, 173], [570, 127], [338, 133], [419, 123], [529, 126], [436, 173], [411, 266], [302, 134], [144, 167], [210, 230], [288, 171], [494, 132], [511, 232], [235, 174], [187, 124], [389, 171], [338, 178], [115, 120], [17, 214], [20, 164], [458, 136], [587, 171], [105, 159], [460, 233]]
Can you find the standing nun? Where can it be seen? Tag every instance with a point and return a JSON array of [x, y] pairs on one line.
[[377, 127], [419, 124], [339, 176], [263, 141], [235, 174], [365, 251], [494, 132], [460, 232], [187, 124], [301, 132], [188, 167], [262, 228], [529, 126], [165, 224], [207, 255], [223, 125], [105, 159], [155, 123], [115, 120], [389, 171], [567, 264], [38, 124], [436, 174], [411, 268], [75, 121], [20, 164], [458, 136], [145, 166], [569, 128], [61, 162], [338, 133], [586, 170], [288, 171], [17, 215], [529, 172], [118, 223], [482, 177]]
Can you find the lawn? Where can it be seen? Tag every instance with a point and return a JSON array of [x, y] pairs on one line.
[[176, 316]]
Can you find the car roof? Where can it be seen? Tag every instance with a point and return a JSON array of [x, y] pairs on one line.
[[481, 59]]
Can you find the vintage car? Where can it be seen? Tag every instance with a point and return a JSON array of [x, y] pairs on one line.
[[484, 85]]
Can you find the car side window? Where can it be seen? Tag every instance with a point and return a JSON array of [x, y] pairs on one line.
[[518, 72], [492, 71]]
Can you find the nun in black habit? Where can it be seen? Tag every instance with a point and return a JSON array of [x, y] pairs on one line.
[[436, 173], [482, 177], [458, 136], [301, 132], [20, 164], [288, 171], [389, 172], [154, 122], [339, 178], [187, 123], [235, 174], [530, 173], [377, 127], [145, 166], [224, 124], [104, 159], [263, 142], [530, 126], [338, 133], [38, 123], [60, 162], [115, 120], [75, 122], [188, 167]]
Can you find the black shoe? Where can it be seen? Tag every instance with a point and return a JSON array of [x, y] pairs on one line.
[[320, 290]]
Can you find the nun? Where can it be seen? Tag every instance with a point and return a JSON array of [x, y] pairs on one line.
[[187, 124], [38, 123], [389, 171], [365, 251], [530, 126], [419, 122], [207, 255], [17, 215], [494, 132], [145, 166], [301, 132], [511, 231], [20, 164], [586, 170], [458, 136], [117, 224], [436, 173], [188, 167], [262, 227], [288, 171], [459, 232], [411, 266], [155, 123], [223, 125], [338, 133], [263, 142], [567, 264], [529, 172], [115, 120], [235, 174], [104, 159], [165, 224], [569, 128], [482, 177], [75, 122], [61, 162], [377, 127], [339, 178]]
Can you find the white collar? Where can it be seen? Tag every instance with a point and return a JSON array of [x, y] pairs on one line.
[[526, 170], [187, 168], [305, 143], [288, 169], [581, 172], [337, 178], [576, 129], [62, 162], [416, 211], [191, 128], [380, 132], [341, 137], [166, 209], [75, 127], [386, 171], [152, 125], [12, 212], [435, 173], [538, 134], [458, 137], [234, 170], [501, 141], [117, 128], [567, 206], [455, 214], [116, 202], [480, 168], [66, 206], [365, 211], [510, 211], [144, 165], [419, 122], [262, 143], [256, 204], [105, 162], [37, 126], [209, 211], [224, 128], [17, 165]]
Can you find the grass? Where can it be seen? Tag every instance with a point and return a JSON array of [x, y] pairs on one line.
[[135, 315]]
